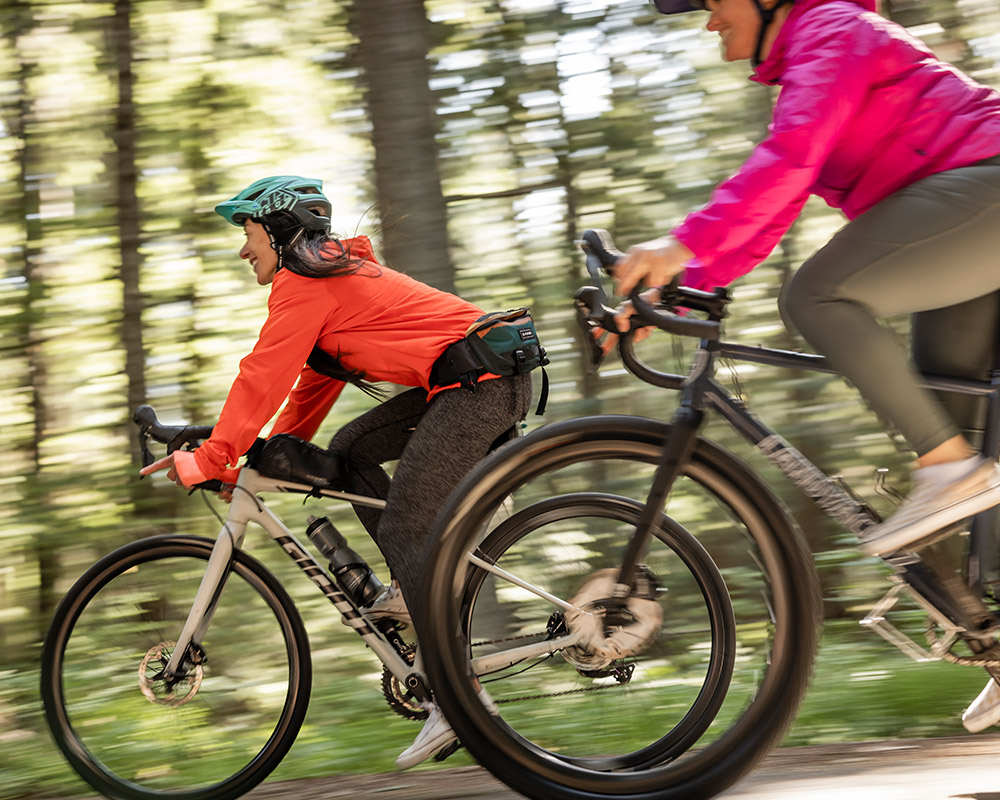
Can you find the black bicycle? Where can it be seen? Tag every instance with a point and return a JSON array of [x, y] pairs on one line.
[[675, 600]]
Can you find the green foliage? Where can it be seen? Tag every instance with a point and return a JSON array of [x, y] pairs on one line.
[[553, 116], [862, 689]]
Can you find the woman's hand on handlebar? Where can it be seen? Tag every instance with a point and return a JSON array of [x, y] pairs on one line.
[[623, 319], [165, 463], [652, 263]]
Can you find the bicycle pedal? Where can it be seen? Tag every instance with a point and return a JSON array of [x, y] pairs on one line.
[[447, 750]]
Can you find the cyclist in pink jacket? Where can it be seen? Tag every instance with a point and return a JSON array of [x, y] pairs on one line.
[[909, 148]]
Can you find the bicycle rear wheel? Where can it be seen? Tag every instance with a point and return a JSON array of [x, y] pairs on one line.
[[216, 733], [643, 707], [671, 730]]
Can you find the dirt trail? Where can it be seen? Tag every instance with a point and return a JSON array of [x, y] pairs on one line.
[[930, 769]]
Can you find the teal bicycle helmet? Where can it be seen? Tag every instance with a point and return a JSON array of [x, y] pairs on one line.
[[301, 199]]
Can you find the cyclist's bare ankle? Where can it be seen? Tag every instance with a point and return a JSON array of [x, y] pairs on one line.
[[955, 449]]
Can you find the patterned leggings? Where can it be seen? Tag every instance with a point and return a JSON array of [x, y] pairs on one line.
[[437, 444]]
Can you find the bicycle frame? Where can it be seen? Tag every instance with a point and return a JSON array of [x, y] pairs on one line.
[[800, 471], [247, 507], [700, 391]]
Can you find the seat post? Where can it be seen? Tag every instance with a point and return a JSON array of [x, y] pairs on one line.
[[984, 547]]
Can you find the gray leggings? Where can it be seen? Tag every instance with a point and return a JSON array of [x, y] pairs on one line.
[[437, 444], [931, 249]]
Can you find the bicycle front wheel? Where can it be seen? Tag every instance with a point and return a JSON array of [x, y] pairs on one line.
[[218, 731], [709, 681]]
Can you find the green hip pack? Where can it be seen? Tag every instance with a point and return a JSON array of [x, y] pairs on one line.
[[505, 342], [502, 343]]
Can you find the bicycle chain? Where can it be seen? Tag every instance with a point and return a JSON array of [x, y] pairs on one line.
[[503, 701], [951, 658], [966, 661], [401, 701], [557, 694], [396, 697]]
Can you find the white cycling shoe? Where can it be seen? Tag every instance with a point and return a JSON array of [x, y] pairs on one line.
[[942, 495], [433, 737], [985, 709], [390, 604], [436, 735]]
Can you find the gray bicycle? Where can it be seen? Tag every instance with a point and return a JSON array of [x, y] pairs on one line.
[[179, 667]]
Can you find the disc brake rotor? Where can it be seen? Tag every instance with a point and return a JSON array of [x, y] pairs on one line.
[[154, 686], [600, 642]]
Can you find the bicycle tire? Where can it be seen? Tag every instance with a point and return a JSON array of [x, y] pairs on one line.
[[777, 640], [201, 740]]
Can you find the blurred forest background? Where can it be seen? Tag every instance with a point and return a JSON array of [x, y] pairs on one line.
[[472, 139]]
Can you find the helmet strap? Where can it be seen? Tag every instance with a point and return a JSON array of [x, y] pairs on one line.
[[766, 18], [277, 247]]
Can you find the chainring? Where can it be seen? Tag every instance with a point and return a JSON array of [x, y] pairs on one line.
[[396, 695], [399, 699]]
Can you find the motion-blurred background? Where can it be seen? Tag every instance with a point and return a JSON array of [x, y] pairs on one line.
[[472, 140]]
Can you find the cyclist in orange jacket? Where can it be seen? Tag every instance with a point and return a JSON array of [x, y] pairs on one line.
[[337, 316]]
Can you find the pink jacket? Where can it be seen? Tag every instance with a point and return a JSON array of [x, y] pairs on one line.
[[864, 110]]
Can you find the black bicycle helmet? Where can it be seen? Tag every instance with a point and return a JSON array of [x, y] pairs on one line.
[[766, 17]]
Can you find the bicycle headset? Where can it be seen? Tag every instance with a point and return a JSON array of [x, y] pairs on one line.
[[766, 17], [286, 205]]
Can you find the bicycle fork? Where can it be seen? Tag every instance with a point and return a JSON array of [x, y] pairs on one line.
[[187, 650], [677, 452]]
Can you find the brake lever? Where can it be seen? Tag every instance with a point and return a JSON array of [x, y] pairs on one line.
[[594, 355], [588, 300], [600, 255], [145, 454]]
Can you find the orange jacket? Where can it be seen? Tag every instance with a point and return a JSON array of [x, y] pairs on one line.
[[376, 321]]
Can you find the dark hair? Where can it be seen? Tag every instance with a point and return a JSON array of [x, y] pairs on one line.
[[326, 364], [310, 253], [320, 255], [317, 254]]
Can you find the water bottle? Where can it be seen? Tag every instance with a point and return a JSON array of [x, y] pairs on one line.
[[353, 575]]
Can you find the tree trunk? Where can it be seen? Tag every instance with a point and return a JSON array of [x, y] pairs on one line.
[[45, 546], [394, 38], [127, 206]]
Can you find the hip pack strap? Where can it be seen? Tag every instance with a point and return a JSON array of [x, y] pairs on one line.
[[459, 364]]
